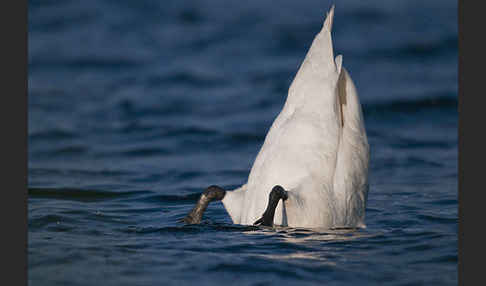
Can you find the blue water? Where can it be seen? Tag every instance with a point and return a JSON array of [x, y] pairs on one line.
[[136, 106]]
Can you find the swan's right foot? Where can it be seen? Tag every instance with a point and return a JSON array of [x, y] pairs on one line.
[[212, 193], [276, 194]]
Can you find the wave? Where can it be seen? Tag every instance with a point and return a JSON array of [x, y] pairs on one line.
[[95, 195], [113, 64], [53, 133], [414, 105], [85, 195], [417, 50]]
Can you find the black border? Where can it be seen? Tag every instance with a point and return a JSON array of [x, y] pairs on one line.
[[471, 105], [13, 118]]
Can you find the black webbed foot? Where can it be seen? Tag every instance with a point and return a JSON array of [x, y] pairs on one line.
[[212, 193], [276, 194]]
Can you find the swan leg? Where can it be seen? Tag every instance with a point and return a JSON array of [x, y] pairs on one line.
[[212, 193], [276, 194]]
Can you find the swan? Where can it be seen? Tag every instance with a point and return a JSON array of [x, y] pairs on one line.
[[312, 169]]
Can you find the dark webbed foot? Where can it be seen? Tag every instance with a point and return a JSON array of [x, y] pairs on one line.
[[212, 193], [276, 194]]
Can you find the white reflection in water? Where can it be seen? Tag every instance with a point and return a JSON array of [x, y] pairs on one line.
[[315, 240]]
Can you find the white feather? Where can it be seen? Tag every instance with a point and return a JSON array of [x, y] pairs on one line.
[[316, 149]]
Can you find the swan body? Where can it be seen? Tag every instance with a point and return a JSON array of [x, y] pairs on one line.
[[316, 149], [312, 170]]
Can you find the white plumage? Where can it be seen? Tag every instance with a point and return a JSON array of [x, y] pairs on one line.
[[316, 149]]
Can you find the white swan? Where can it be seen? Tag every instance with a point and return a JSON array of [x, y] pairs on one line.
[[315, 156]]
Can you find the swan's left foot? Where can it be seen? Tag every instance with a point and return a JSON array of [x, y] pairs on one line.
[[276, 194], [212, 193]]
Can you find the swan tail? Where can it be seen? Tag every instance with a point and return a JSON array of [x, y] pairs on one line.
[[320, 56], [329, 18]]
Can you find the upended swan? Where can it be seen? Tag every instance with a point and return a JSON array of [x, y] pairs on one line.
[[312, 170]]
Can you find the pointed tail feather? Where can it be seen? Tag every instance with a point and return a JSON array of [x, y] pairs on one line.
[[329, 19]]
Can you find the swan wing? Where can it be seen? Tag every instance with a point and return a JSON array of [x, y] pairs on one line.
[[351, 175]]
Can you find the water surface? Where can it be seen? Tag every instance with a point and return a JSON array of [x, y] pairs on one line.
[[136, 107]]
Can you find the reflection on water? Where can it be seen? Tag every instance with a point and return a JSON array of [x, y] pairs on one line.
[[313, 244]]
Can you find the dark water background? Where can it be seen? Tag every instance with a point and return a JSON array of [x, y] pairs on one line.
[[136, 106]]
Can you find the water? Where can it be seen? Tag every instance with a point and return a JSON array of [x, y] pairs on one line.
[[136, 107]]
